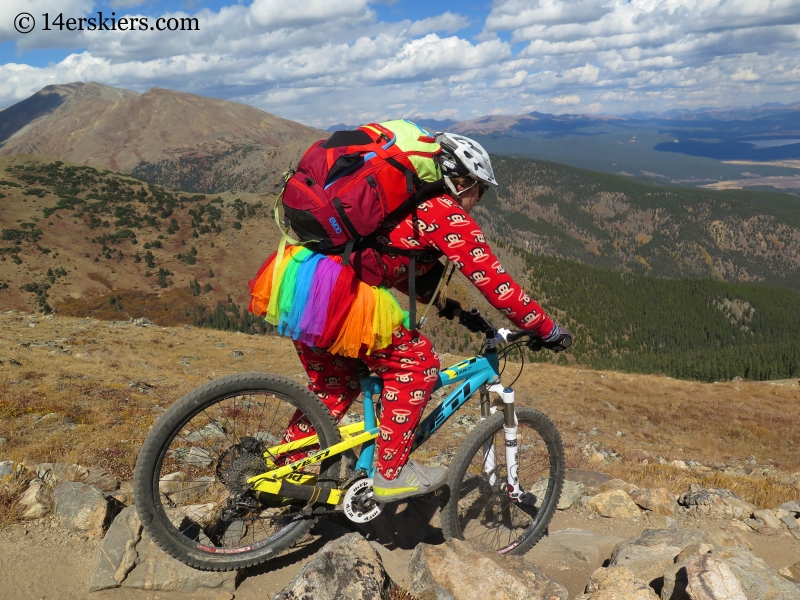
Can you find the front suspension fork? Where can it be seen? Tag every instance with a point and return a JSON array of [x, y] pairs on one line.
[[510, 426]]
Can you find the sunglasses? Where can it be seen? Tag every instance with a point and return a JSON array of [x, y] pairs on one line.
[[482, 189]]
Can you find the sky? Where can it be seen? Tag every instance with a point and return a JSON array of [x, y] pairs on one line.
[[323, 62]]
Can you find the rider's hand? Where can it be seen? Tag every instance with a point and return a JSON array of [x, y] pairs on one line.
[[558, 340], [473, 321], [451, 309]]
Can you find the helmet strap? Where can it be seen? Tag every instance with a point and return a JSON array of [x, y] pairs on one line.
[[451, 186]]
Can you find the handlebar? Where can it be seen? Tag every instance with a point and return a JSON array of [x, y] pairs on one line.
[[476, 323], [519, 334]]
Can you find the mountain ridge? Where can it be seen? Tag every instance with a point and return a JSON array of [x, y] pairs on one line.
[[206, 145], [159, 134]]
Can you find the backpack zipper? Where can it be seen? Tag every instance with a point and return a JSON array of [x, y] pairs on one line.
[[352, 182], [302, 187]]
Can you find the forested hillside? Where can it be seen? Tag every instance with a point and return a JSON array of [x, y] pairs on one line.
[[90, 242], [686, 328], [610, 222], [83, 241]]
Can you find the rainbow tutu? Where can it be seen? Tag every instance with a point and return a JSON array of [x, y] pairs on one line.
[[312, 298]]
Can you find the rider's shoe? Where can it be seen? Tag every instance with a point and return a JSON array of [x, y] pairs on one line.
[[413, 480]]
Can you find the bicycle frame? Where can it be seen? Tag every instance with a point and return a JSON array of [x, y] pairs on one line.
[[473, 374]]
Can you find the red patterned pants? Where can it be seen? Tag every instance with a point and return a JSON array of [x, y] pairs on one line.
[[409, 368]]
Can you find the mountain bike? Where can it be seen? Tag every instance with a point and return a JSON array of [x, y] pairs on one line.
[[218, 488]]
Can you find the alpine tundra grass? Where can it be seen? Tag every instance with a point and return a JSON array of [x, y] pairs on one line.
[[88, 391]]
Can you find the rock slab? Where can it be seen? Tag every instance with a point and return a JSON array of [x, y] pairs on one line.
[[657, 500], [117, 555], [570, 494], [724, 574], [715, 503], [344, 568], [768, 517], [617, 583], [36, 502], [79, 506], [659, 521], [614, 503], [157, 571], [128, 558], [709, 578], [757, 578], [618, 484], [575, 546], [649, 554], [457, 570]]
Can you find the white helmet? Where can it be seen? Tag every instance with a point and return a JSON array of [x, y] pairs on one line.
[[463, 157]]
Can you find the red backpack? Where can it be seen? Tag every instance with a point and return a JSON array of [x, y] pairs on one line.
[[346, 186]]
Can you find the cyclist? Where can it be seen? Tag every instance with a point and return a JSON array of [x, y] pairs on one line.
[[409, 365]]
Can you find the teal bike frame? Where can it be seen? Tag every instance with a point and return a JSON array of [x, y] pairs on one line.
[[474, 374]]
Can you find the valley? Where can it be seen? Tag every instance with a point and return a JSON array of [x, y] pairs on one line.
[[650, 281]]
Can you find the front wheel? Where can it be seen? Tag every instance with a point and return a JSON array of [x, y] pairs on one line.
[[190, 482], [479, 508]]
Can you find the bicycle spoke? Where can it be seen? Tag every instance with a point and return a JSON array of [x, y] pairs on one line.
[[196, 457]]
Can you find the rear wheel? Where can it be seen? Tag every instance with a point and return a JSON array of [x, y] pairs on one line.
[[479, 508], [191, 475]]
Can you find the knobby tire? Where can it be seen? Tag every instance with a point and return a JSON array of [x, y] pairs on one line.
[[473, 497], [150, 502]]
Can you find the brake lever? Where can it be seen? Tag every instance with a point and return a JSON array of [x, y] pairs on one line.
[[536, 343]]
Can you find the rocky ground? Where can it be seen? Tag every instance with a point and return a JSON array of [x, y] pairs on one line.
[[77, 397], [78, 540]]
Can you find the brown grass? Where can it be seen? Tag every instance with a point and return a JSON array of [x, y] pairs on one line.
[[108, 390], [766, 491], [10, 493], [744, 435], [398, 593], [171, 307]]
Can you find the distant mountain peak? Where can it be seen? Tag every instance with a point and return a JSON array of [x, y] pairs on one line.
[[178, 139]]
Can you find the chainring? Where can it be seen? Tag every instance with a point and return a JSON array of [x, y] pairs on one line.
[[358, 503]]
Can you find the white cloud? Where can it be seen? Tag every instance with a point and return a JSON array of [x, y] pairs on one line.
[[745, 75], [10, 9], [276, 14], [584, 74], [566, 100], [448, 22], [323, 62], [126, 3]]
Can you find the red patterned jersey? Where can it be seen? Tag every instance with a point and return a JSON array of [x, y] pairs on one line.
[[440, 224]]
